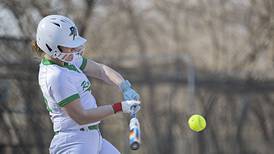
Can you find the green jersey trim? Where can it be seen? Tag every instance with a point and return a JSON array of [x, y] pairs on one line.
[[71, 67], [84, 63], [46, 61], [46, 102], [68, 100]]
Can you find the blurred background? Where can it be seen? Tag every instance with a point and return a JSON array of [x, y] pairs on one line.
[[209, 57]]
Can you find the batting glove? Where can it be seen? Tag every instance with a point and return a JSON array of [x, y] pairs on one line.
[[130, 106], [128, 92]]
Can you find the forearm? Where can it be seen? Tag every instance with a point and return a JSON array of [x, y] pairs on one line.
[[75, 110], [103, 72], [101, 112], [96, 114], [111, 76]]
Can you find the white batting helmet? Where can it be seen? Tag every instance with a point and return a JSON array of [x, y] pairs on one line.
[[57, 30]]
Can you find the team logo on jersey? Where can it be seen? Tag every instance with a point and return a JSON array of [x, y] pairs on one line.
[[85, 85], [73, 32]]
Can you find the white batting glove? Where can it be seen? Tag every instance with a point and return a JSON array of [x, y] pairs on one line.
[[130, 106]]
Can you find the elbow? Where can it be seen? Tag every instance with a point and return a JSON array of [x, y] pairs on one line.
[[77, 113], [83, 119], [80, 119]]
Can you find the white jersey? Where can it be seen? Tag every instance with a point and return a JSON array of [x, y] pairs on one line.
[[60, 86]]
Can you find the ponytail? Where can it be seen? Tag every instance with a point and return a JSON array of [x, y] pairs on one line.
[[38, 51]]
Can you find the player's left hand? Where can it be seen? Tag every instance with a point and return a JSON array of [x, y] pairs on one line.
[[128, 92], [131, 94]]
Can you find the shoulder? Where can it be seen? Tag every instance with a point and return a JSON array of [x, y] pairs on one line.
[[59, 76], [54, 74]]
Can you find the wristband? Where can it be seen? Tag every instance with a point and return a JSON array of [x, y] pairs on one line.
[[117, 107]]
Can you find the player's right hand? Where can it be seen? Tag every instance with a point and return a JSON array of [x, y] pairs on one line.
[[131, 106]]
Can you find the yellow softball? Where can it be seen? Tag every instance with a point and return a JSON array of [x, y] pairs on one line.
[[197, 123]]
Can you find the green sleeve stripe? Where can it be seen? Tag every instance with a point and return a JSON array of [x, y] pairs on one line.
[[68, 100], [84, 63]]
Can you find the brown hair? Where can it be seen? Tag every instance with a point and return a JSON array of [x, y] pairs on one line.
[[37, 50]]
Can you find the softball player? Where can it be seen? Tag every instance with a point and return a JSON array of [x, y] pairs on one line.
[[66, 89]]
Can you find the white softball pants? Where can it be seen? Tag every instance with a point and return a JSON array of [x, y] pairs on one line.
[[81, 142]]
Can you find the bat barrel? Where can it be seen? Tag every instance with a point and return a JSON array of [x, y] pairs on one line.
[[134, 134]]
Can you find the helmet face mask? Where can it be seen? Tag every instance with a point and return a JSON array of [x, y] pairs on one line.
[[54, 31], [70, 54]]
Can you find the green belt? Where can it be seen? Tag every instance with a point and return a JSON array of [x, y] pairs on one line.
[[93, 127]]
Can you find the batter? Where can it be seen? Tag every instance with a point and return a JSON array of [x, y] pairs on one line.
[[67, 90]]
